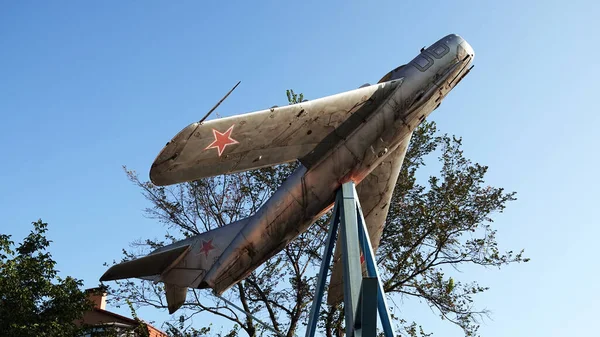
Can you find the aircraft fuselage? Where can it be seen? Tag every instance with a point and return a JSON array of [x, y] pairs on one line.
[[382, 125], [361, 135]]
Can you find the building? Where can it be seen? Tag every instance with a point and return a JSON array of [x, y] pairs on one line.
[[101, 320]]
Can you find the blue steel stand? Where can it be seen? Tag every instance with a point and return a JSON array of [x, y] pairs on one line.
[[363, 296]]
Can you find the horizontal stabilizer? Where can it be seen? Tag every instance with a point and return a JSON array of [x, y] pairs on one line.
[[153, 264]]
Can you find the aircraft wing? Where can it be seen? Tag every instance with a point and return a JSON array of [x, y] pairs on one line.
[[374, 193], [262, 138]]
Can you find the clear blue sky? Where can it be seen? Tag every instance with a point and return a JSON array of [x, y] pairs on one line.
[[86, 87]]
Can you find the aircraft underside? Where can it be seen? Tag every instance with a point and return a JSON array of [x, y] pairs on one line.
[[361, 135]]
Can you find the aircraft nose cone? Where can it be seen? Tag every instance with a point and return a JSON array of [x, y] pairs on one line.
[[468, 49], [464, 48], [459, 45]]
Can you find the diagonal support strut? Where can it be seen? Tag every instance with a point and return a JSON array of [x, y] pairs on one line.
[[361, 294]]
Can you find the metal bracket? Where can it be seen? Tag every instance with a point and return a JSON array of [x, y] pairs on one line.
[[361, 294]]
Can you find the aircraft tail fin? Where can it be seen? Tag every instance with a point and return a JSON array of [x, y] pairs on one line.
[[181, 265], [175, 296]]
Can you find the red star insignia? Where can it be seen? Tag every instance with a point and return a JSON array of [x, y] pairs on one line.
[[206, 247], [222, 140]]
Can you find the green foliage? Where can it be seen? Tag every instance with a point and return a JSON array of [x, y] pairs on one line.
[[434, 225], [141, 329], [294, 98], [445, 223], [34, 301], [179, 329]]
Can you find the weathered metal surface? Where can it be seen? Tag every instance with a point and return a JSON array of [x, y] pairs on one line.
[[375, 192], [259, 139], [339, 138]]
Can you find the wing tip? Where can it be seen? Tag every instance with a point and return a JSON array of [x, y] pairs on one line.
[[169, 153], [156, 178], [108, 276]]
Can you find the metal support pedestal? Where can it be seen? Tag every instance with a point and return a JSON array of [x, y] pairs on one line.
[[363, 296]]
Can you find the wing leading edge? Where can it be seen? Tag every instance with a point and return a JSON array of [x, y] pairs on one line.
[[374, 193], [258, 139]]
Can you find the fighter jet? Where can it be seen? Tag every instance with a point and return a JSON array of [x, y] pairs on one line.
[[360, 135]]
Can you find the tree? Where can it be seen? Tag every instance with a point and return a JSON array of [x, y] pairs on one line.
[[444, 224], [432, 225], [34, 301]]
